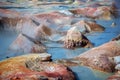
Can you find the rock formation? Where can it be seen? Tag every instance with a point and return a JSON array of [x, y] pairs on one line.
[[101, 57], [102, 12], [33, 67], [75, 38], [115, 77], [88, 26], [54, 17], [116, 59], [7, 20], [26, 44]]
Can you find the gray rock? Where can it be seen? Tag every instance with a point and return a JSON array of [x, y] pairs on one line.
[[117, 67], [117, 59], [66, 12]]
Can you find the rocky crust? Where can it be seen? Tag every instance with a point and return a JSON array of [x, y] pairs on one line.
[[9, 13], [7, 20], [53, 17], [116, 38], [102, 57], [101, 12], [88, 26], [116, 76], [26, 44], [33, 67], [75, 38]]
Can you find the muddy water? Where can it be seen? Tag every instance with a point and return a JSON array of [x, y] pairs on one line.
[[57, 50]]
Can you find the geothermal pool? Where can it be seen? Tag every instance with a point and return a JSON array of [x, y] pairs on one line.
[[57, 51]]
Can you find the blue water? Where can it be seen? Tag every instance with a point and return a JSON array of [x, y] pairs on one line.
[[84, 73], [6, 38], [97, 38], [109, 33]]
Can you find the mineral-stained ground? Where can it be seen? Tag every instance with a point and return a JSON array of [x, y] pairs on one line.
[[59, 40]]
